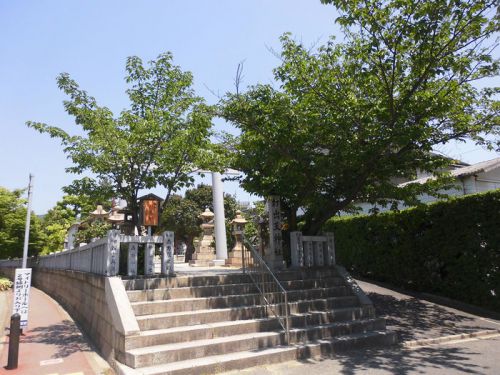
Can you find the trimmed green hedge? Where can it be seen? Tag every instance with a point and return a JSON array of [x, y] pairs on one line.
[[450, 248]]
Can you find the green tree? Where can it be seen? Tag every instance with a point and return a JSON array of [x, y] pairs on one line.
[[181, 214], [82, 196], [55, 225], [159, 140], [90, 230], [349, 119], [13, 224], [202, 195]]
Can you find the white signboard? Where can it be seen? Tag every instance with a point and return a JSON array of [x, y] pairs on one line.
[[22, 283]]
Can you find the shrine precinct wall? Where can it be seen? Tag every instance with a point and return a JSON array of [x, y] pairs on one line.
[[93, 301]]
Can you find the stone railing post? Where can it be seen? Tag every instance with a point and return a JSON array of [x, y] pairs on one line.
[[113, 253], [319, 260], [133, 249], [167, 254], [308, 254], [330, 243], [149, 258], [297, 249]]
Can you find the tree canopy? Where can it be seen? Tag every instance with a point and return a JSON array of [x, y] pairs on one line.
[[55, 225], [350, 119], [182, 214], [159, 140], [13, 224]]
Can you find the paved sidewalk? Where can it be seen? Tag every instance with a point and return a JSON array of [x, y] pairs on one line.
[[52, 343], [415, 319]]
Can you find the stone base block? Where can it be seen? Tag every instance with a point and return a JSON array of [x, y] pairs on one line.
[[209, 255], [234, 258], [275, 263], [201, 263]]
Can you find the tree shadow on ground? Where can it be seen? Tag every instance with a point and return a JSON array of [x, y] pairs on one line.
[[426, 360], [65, 336], [413, 319]]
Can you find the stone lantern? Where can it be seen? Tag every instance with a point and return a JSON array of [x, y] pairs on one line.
[[99, 213], [204, 253], [117, 217], [235, 255]]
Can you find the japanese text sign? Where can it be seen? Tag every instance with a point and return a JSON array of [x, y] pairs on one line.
[[22, 284]]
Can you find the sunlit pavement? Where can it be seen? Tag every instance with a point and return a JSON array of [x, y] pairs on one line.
[[413, 320], [51, 344]]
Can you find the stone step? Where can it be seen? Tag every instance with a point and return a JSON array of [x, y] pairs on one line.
[[184, 281], [250, 358], [228, 328], [310, 278], [326, 331], [312, 283], [168, 353], [224, 362], [316, 297], [200, 332], [307, 274], [217, 291], [327, 347], [189, 318], [187, 292]]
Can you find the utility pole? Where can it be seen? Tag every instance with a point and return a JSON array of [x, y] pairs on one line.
[[28, 220]]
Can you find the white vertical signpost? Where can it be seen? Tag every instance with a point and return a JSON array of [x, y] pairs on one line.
[[28, 219], [22, 279], [22, 283]]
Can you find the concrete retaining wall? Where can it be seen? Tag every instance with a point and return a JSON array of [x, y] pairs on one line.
[[83, 296]]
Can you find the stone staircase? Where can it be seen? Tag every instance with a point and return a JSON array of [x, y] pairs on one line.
[[211, 324]]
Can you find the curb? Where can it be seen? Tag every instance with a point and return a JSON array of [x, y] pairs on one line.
[[443, 339]]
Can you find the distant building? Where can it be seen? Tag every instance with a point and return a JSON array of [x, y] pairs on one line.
[[469, 179]]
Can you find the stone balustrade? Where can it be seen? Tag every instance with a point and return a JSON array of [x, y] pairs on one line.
[[312, 251], [102, 257]]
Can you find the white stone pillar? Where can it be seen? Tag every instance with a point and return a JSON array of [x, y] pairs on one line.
[[219, 219]]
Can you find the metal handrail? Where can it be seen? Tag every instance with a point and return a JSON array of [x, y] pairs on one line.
[[274, 295]]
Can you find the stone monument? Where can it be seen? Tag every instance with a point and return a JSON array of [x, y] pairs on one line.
[[273, 254], [204, 252]]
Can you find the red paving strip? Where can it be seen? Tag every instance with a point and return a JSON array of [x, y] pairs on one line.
[[52, 344]]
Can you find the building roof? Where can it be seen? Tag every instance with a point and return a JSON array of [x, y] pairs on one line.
[[482, 167]]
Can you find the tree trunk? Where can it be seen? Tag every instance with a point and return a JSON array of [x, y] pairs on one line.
[[292, 219], [314, 224]]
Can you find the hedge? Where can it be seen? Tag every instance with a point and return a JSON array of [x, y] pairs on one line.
[[450, 248]]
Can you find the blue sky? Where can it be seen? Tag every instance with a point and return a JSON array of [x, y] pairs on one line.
[[91, 40]]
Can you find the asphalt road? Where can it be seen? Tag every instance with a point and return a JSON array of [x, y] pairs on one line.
[[472, 356], [412, 319]]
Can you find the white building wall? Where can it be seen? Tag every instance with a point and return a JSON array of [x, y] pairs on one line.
[[488, 181]]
